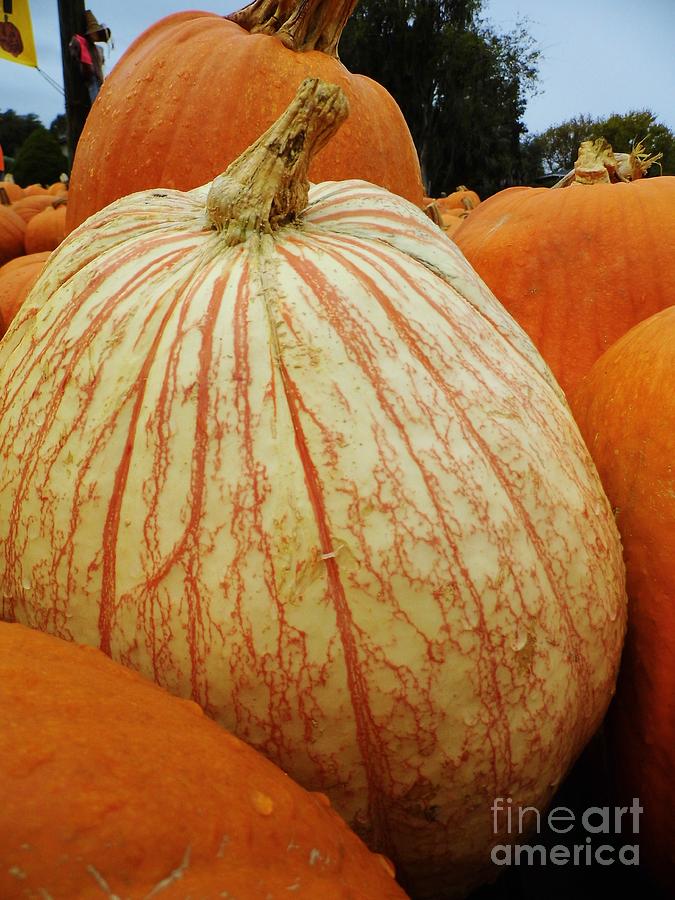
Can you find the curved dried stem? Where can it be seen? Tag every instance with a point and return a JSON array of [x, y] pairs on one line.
[[267, 186], [598, 164], [301, 25]]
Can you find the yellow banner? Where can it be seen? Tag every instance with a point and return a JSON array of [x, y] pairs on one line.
[[16, 33]]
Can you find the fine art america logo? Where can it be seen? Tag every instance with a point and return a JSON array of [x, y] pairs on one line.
[[596, 822]]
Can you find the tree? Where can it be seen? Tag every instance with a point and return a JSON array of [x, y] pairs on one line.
[[59, 128], [460, 86], [555, 150], [15, 128], [40, 160]]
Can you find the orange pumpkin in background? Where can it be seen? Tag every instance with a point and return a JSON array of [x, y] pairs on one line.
[[12, 230], [12, 190], [17, 277], [625, 408], [576, 267], [149, 128], [31, 205], [46, 230], [111, 785], [34, 190], [463, 198]]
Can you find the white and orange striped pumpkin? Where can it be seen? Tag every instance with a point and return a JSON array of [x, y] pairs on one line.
[[314, 477]]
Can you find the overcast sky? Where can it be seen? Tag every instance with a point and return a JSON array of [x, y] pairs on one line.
[[598, 56]]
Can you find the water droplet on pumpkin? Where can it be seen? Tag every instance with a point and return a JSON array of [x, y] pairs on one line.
[[26, 584], [263, 803], [321, 798]]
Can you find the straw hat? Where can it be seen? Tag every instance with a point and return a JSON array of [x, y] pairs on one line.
[[92, 27]]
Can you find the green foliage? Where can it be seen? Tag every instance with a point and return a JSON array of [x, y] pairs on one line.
[[15, 128], [555, 150], [460, 85], [40, 160], [59, 128]]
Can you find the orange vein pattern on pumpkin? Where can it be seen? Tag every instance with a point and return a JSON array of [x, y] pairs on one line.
[[248, 530], [359, 345], [57, 356], [571, 636]]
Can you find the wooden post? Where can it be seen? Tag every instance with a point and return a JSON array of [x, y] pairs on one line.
[[71, 21]]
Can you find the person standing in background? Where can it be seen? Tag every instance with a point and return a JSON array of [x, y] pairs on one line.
[[83, 49]]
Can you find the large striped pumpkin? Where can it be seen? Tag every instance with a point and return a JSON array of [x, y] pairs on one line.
[[300, 466]]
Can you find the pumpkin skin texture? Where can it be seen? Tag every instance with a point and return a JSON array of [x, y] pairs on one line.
[[107, 779], [17, 277], [576, 267], [626, 411], [321, 483], [152, 107]]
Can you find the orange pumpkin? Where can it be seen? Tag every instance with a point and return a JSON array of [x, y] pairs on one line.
[[149, 125], [17, 277], [12, 190], [12, 230], [34, 190], [31, 205], [46, 229], [108, 781], [463, 198], [450, 224], [625, 408], [576, 267]]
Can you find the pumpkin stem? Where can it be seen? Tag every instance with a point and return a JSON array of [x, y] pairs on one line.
[[267, 186], [301, 25], [598, 164]]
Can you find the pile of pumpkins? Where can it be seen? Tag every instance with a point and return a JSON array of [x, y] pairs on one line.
[[32, 224], [450, 210], [377, 501]]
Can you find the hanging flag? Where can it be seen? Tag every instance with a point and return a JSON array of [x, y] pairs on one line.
[[16, 33]]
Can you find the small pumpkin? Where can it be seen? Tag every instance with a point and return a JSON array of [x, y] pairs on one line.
[[450, 224], [12, 230], [576, 267], [111, 785], [625, 408], [46, 229], [12, 190], [463, 198], [153, 106], [277, 447], [34, 190], [31, 205], [17, 277]]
